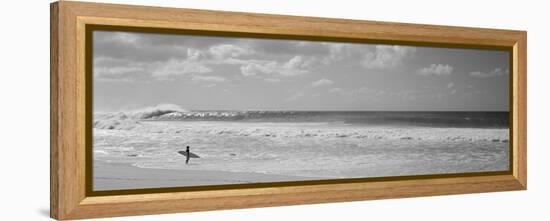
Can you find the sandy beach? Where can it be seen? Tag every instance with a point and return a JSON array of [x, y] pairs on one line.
[[114, 176]]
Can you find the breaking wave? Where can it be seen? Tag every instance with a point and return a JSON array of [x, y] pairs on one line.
[[130, 119], [156, 111], [171, 112]]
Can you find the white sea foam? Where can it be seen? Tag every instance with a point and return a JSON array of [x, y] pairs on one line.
[[129, 120], [305, 149], [158, 110]]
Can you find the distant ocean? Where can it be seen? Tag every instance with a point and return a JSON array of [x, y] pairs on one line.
[[335, 144]]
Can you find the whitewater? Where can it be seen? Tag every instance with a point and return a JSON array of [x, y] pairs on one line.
[[305, 144]]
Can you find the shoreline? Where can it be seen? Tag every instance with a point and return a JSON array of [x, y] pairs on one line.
[[122, 176]]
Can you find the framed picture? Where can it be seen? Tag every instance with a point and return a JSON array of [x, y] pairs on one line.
[[160, 110]]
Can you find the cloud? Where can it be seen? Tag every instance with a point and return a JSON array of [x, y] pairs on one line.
[[131, 56], [289, 47], [297, 62], [111, 69], [120, 37], [452, 88], [295, 66], [115, 71], [369, 56], [150, 47], [335, 90], [172, 68], [134, 47], [494, 73], [224, 51], [436, 70], [194, 64], [194, 54], [208, 78], [255, 68], [272, 80], [197, 61], [337, 52], [321, 83], [386, 56], [362, 90]]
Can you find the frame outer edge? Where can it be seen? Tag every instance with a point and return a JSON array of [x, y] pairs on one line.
[[522, 107], [64, 147], [54, 110], [66, 202]]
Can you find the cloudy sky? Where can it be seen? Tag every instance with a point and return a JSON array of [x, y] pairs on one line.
[[133, 70]]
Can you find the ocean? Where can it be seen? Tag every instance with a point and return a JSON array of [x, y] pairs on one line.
[[316, 144], [365, 118]]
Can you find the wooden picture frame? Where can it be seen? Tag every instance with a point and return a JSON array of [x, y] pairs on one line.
[[71, 199]]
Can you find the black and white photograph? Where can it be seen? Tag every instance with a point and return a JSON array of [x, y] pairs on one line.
[[177, 110]]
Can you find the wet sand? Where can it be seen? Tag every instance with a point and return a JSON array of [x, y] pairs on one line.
[[119, 176]]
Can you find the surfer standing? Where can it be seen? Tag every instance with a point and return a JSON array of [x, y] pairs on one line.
[[188, 155]]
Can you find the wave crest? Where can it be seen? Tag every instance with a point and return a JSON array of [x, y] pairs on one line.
[[130, 119], [155, 111]]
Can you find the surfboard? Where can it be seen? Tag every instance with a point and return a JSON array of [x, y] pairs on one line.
[[191, 155]]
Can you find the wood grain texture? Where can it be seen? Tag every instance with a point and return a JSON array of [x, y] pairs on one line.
[[54, 96], [66, 146], [289, 25], [68, 108], [520, 102]]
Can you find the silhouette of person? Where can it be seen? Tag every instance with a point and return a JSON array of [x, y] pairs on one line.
[[188, 155]]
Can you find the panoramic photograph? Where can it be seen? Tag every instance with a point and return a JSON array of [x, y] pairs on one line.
[[174, 110]]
